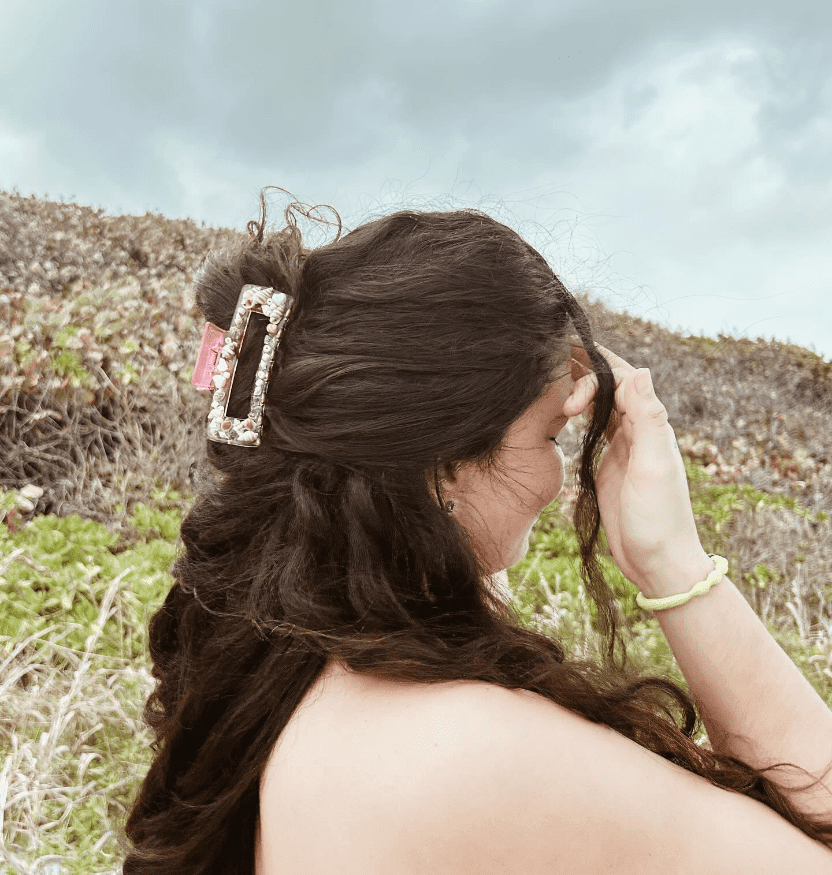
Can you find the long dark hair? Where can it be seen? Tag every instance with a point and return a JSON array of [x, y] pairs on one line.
[[417, 340]]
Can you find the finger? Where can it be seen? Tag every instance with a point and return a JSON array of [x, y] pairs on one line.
[[654, 434], [613, 424], [584, 391], [579, 353], [615, 360]]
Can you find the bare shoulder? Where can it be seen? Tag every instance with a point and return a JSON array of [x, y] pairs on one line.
[[469, 777], [530, 787]]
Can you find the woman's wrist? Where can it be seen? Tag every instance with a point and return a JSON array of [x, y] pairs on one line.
[[678, 575]]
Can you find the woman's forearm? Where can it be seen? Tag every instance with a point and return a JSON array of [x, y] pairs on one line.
[[745, 685]]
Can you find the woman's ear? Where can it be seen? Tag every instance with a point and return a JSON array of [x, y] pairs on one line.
[[578, 369], [448, 473]]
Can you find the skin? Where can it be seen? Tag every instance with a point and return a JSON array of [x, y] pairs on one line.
[[500, 508], [646, 513], [641, 481]]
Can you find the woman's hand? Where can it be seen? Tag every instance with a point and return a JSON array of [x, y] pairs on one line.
[[641, 482]]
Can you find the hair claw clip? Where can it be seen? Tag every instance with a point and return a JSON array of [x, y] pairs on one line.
[[218, 358]]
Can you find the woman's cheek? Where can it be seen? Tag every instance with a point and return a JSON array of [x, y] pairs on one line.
[[559, 476], [550, 478]]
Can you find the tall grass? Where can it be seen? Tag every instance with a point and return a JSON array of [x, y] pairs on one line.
[[96, 410]]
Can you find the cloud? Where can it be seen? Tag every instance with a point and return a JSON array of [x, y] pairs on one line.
[[653, 150]]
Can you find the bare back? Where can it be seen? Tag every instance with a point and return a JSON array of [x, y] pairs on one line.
[[463, 777], [340, 767]]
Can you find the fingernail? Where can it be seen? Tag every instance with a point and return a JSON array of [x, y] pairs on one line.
[[644, 384]]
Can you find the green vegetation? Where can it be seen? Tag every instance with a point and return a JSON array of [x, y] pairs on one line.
[[61, 569], [97, 348], [75, 600], [550, 595]]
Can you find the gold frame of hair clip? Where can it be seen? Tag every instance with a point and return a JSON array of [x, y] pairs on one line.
[[226, 429]]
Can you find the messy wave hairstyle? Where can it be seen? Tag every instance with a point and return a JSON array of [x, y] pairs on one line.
[[417, 340]]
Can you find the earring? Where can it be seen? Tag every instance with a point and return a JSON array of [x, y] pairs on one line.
[[448, 505]]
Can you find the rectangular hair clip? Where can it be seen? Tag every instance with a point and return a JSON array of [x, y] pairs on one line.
[[217, 364]]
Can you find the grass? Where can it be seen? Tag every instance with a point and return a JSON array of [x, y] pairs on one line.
[[75, 671], [75, 601], [95, 408]]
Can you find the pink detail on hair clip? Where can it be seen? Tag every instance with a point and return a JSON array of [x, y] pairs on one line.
[[209, 352]]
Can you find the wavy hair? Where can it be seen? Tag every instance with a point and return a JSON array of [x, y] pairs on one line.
[[416, 341]]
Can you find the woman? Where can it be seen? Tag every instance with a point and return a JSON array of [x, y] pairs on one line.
[[342, 687]]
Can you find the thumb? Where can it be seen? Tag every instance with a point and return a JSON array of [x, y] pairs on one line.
[[654, 442], [644, 382]]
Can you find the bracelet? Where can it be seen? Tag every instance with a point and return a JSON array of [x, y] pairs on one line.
[[672, 601]]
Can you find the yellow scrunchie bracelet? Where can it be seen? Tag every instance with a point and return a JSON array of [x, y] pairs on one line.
[[672, 601]]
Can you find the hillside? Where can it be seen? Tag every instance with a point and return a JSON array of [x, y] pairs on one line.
[[98, 334], [99, 427], [97, 340]]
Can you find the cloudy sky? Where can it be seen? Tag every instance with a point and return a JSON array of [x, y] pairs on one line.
[[673, 159]]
